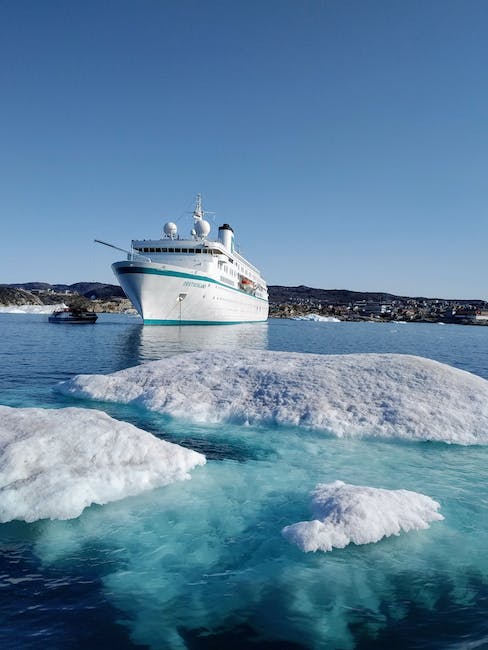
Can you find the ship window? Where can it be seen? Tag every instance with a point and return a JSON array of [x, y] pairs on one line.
[[177, 250], [151, 250], [164, 250]]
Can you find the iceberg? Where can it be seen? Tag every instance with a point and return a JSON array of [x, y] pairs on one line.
[[55, 463], [387, 396], [359, 514]]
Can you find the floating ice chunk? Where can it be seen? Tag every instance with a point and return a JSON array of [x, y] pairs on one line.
[[361, 515], [382, 395], [55, 463], [318, 318]]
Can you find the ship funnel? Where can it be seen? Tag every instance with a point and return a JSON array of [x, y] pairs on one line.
[[226, 236]]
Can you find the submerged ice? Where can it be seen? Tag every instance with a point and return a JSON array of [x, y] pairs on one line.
[[380, 395], [206, 557], [55, 463], [360, 514]]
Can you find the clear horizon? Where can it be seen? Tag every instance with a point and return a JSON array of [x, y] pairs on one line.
[[345, 142]]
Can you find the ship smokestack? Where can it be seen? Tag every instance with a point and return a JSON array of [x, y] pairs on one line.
[[226, 236]]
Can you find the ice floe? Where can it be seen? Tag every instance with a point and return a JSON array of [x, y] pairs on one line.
[[359, 514], [55, 463], [388, 396], [318, 318], [30, 309]]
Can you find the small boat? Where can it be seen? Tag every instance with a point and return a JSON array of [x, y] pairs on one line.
[[73, 316]]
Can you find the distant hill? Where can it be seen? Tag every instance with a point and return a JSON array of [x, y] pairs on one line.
[[97, 290], [14, 296], [280, 295]]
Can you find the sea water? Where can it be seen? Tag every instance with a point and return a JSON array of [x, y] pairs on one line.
[[204, 563]]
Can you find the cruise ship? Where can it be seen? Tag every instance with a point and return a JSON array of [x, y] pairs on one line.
[[193, 281]]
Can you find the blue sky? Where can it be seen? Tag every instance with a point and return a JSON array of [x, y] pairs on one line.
[[346, 141]]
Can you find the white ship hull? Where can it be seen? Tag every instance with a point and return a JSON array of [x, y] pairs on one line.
[[164, 294]]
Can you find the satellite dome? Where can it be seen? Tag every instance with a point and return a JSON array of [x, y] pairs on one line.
[[202, 228], [170, 229]]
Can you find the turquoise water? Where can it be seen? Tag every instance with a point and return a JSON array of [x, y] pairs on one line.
[[202, 564]]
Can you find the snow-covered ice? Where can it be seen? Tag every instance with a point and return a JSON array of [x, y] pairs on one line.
[[318, 318], [346, 513], [55, 463], [389, 396]]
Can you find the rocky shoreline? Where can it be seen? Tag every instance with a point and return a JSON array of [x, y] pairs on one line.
[[290, 312], [14, 296], [285, 302]]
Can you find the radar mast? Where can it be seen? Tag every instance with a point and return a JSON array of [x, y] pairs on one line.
[[198, 212], [201, 226]]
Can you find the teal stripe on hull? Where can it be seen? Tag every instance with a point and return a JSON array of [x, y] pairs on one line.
[[179, 274], [153, 321]]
